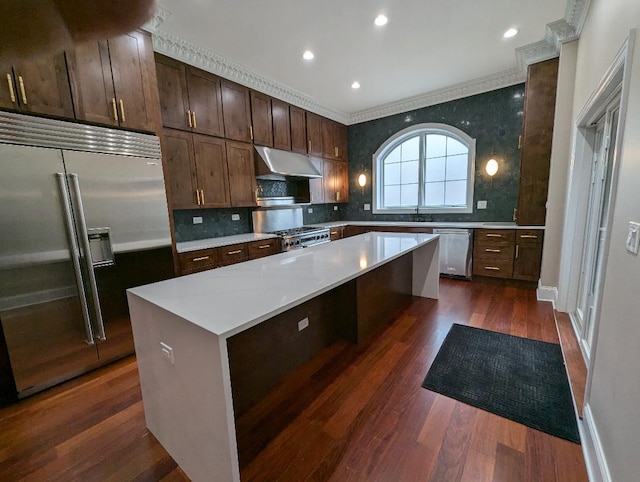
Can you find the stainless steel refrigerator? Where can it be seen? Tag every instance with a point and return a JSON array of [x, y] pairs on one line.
[[83, 216]]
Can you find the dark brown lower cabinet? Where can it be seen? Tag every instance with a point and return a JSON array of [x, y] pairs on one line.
[[508, 253], [528, 255], [204, 259]]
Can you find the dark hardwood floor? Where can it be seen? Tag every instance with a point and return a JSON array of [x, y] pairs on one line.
[[367, 417]]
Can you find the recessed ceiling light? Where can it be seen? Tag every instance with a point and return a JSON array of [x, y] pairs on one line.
[[381, 20], [512, 32], [355, 85], [307, 55]]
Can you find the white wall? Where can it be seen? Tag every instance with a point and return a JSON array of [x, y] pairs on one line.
[[558, 174], [614, 398]]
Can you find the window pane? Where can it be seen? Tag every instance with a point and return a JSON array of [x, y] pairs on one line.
[[411, 149], [456, 193], [393, 156], [392, 174], [435, 169], [457, 167], [436, 145], [391, 196], [409, 195], [455, 147], [434, 193], [409, 172]]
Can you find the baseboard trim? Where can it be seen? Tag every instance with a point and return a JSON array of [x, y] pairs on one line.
[[547, 293], [596, 462]]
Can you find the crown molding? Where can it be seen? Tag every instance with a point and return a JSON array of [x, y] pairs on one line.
[[563, 30], [458, 91], [558, 32], [576, 14], [158, 19]]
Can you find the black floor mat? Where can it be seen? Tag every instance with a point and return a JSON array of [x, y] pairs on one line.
[[517, 378]]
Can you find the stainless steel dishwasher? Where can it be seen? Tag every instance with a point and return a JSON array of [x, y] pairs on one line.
[[455, 251]]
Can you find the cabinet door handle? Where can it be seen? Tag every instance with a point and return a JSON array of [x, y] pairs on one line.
[[202, 196], [23, 93], [201, 258], [122, 117], [237, 251], [520, 142], [264, 246], [528, 236], [309, 143], [493, 250], [335, 150], [517, 250], [494, 235], [337, 195], [11, 91], [492, 268], [198, 197], [114, 109], [189, 119], [251, 132], [195, 124], [333, 232]]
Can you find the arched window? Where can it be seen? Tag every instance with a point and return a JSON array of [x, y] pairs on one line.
[[426, 168]]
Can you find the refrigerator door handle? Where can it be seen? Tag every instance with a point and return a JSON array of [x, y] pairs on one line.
[[75, 256], [84, 238]]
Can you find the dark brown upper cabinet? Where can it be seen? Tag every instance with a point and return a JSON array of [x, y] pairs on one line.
[[281, 125], [334, 140], [341, 141], [298, 130], [242, 177], [314, 134], [261, 119], [190, 98], [236, 111], [40, 86], [179, 160], [113, 82], [537, 135], [328, 138]]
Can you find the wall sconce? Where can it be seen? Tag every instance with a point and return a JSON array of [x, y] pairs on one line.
[[491, 167], [362, 180]]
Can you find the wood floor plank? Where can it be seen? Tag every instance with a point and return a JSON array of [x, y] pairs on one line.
[[508, 464], [368, 418], [576, 367]]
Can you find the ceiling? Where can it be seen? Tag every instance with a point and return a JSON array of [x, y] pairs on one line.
[[427, 47]]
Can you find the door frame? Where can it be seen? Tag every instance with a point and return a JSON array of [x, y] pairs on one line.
[[616, 79]]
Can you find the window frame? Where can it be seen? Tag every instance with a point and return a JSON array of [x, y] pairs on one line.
[[420, 130]]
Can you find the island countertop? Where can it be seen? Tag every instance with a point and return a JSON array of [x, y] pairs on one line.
[[228, 300]]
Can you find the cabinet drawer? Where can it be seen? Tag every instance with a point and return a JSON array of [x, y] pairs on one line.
[[198, 260], [494, 237], [498, 253], [336, 233], [493, 268], [265, 247], [529, 237], [234, 253]]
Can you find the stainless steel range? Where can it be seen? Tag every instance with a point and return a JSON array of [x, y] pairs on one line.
[[286, 221], [302, 237]]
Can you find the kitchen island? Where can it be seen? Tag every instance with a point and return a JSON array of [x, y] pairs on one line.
[[185, 331]]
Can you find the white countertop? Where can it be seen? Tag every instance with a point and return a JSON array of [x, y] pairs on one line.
[[228, 300], [430, 224], [187, 246]]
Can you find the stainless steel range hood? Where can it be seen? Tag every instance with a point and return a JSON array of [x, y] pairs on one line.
[[278, 165]]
